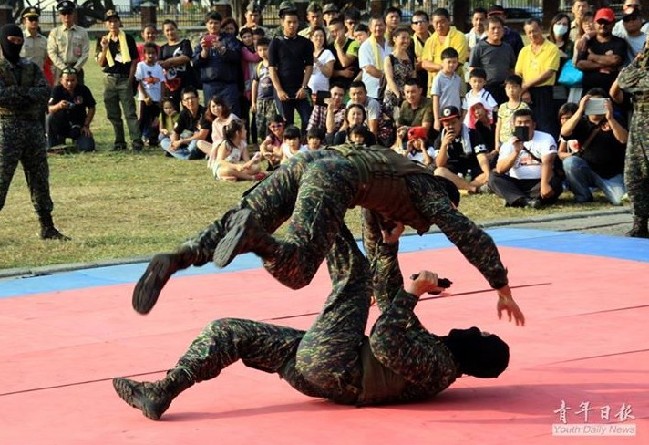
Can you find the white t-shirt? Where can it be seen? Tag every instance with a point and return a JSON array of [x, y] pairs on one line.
[[372, 108], [151, 78], [288, 154], [318, 81], [484, 97], [525, 166], [367, 57]]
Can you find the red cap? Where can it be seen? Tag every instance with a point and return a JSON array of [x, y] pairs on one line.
[[605, 14], [417, 133]]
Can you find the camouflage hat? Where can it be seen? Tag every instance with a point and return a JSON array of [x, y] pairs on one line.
[[111, 14], [66, 5], [330, 8], [286, 7], [32, 11], [314, 7], [253, 6]]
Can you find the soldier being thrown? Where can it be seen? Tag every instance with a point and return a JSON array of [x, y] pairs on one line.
[[314, 190], [399, 362], [23, 101]]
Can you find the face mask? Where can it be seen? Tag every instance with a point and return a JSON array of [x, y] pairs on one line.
[[559, 29], [10, 50]]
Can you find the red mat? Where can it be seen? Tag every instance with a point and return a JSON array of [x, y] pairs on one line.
[[585, 341]]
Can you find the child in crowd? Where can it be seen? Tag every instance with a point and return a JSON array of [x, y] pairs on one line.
[[447, 85], [262, 93], [249, 61], [257, 34], [567, 147], [150, 76], [417, 148], [168, 119], [149, 34], [292, 143], [271, 147], [358, 134], [231, 161], [477, 93], [315, 138], [513, 90]]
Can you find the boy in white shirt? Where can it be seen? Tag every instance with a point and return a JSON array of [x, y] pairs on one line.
[[150, 76], [478, 93]]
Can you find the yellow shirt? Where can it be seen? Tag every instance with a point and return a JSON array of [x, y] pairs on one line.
[[433, 50], [530, 66]]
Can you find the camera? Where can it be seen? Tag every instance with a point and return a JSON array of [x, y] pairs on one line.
[[595, 106], [71, 105], [522, 133], [321, 97], [209, 39]]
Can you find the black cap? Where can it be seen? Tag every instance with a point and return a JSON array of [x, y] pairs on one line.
[[111, 14], [66, 5], [449, 112]]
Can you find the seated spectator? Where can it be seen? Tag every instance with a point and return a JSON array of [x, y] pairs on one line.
[[481, 120], [168, 119], [599, 158], [358, 95], [355, 114], [524, 174], [567, 147], [231, 161], [271, 147], [220, 116], [477, 82], [416, 110], [358, 135], [417, 148], [460, 151], [334, 113], [315, 139], [292, 143], [71, 109], [190, 128]]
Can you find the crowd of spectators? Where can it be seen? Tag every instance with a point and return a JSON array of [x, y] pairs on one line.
[[483, 109]]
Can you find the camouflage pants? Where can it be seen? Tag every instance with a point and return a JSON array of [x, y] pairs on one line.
[[266, 111], [321, 362], [23, 141], [636, 164]]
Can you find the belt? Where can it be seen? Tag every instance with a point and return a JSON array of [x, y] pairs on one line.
[[117, 75]]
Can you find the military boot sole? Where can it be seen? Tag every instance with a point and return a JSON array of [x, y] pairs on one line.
[[132, 392], [147, 290], [234, 239]]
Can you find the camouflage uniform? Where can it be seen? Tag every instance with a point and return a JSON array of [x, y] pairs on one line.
[[314, 190], [23, 100], [634, 79]]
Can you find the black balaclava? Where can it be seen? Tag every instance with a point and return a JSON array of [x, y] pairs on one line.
[[485, 356], [11, 51]]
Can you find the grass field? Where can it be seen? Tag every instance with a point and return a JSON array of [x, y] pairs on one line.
[[123, 204]]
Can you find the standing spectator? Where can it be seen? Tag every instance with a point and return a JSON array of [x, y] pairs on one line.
[[524, 174], [290, 60], [68, 44], [352, 18], [478, 28], [634, 33], [447, 86], [392, 21], [599, 161], [510, 36], [496, 57], [579, 9], [445, 36], [313, 19], [175, 59], [323, 62], [117, 55], [190, 128], [421, 33], [514, 90], [253, 16], [150, 77], [330, 12], [345, 51], [587, 32], [149, 35], [35, 47], [603, 56], [263, 97], [24, 93], [371, 55], [559, 35], [478, 93], [218, 58], [249, 61], [399, 67], [537, 65], [71, 109], [629, 7]]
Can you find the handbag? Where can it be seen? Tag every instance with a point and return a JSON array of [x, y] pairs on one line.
[[570, 75]]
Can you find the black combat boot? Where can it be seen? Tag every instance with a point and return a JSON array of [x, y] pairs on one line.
[[244, 235], [153, 398], [639, 229], [48, 231]]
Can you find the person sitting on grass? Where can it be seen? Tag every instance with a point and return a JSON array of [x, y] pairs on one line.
[[271, 147], [292, 143], [231, 161], [315, 138], [190, 128]]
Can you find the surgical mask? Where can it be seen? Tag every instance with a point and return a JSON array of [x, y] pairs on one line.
[[559, 29]]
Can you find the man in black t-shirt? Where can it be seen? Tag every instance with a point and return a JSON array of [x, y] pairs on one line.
[[599, 160], [290, 59], [192, 127], [71, 109]]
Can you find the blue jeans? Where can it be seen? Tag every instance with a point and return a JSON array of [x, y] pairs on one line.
[[186, 152], [581, 178]]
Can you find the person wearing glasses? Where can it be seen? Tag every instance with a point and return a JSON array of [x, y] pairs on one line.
[[421, 32], [68, 44], [603, 56], [192, 126]]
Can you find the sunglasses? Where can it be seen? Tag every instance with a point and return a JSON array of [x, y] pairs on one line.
[[630, 18], [418, 22]]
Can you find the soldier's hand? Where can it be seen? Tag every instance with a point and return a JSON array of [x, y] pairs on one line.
[[507, 304], [424, 282]]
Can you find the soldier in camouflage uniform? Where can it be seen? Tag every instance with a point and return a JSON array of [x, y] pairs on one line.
[[634, 78], [23, 101], [314, 190], [399, 362]]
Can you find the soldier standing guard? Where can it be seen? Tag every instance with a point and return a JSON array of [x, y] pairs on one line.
[[23, 98], [634, 78]]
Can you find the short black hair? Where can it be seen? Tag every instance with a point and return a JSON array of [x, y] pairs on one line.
[[421, 13], [514, 79], [479, 73], [441, 12], [358, 84], [361, 27], [450, 53], [316, 133], [213, 15], [264, 41], [522, 112], [292, 132], [391, 9]]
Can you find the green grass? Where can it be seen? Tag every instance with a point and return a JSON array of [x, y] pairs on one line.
[[120, 205]]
